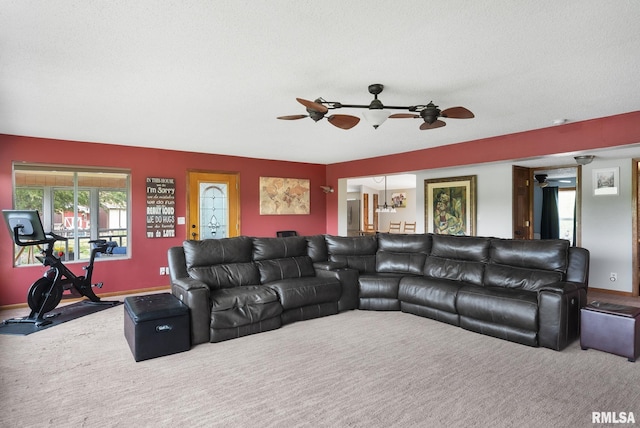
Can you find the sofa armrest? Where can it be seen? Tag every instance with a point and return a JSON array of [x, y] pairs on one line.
[[196, 296], [349, 283], [559, 313], [563, 287]]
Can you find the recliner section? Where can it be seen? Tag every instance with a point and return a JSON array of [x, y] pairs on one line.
[[529, 292]]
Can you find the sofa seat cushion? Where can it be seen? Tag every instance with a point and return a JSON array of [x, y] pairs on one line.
[[235, 307], [380, 285], [431, 292], [512, 307], [298, 292]]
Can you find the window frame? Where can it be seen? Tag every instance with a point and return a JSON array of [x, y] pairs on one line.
[[47, 211]]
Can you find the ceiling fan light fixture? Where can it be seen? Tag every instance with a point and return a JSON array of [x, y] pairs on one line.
[[375, 117], [542, 180], [375, 112], [584, 160]]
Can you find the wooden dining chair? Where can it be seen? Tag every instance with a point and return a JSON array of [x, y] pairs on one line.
[[394, 227], [369, 229], [409, 227]]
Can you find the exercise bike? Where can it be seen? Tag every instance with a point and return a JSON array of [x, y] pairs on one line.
[[47, 292]]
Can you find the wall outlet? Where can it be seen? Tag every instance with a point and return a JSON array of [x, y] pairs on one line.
[[162, 270], [613, 277], [166, 270]]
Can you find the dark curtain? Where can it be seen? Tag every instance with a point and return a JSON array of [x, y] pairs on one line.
[[550, 224]]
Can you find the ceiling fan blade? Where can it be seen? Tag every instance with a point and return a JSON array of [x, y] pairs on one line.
[[404, 116], [343, 121], [311, 105], [436, 124], [293, 117], [457, 113]]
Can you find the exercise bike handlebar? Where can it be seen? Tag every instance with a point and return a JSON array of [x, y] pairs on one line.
[[57, 237], [16, 237], [51, 238]]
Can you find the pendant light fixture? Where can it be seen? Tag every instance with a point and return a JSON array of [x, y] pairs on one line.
[[385, 208], [375, 114]]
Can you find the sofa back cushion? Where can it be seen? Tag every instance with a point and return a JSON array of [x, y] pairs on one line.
[[402, 253], [317, 248], [458, 258], [513, 277], [226, 275], [526, 264], [455, 270], [401, 243], [276, 248], [221, 263], [285, 268], [470, 248], [217, 251], [358, 252], [546, 254]]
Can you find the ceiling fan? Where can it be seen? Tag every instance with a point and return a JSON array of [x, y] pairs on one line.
[[429, 113], [317, 111]]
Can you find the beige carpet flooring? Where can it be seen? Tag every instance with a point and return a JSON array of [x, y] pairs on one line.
[[355, 369]]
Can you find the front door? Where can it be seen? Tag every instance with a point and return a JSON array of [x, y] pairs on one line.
[[214, 205]]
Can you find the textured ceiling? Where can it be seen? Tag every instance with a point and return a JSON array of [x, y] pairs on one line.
[[211, 76]]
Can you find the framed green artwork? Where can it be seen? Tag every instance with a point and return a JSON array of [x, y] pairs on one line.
[[450, 205]]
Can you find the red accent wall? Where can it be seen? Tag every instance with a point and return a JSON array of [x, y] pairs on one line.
[[600, 133], [148, 255], [141, 271]]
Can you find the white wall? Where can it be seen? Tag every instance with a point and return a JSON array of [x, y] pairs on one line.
[[606, 220], [493, 194], [607, 227]]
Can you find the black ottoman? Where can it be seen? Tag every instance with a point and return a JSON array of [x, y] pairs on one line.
[[611, 328], [156, 325]]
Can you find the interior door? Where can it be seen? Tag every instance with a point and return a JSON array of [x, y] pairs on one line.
[[214, 205], [522, 204]]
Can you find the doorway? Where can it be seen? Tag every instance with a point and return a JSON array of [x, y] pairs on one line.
[[564, 183], [213, 205]]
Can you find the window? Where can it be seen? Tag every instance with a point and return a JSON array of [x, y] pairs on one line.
[[78, 203], [566, 212]]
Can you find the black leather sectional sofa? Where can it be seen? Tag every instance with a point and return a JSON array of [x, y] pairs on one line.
[[528, 292]]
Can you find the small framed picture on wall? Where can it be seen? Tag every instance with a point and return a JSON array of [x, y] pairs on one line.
[[606, 181]]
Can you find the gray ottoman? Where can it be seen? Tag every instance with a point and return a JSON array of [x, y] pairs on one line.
[[611, 328], [156, 325]]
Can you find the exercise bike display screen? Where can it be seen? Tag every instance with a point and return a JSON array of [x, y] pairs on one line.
[[28, 222]]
